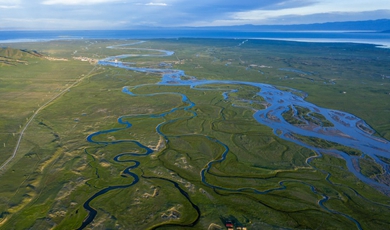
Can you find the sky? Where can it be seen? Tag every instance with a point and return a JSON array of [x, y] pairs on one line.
[[127, 14]]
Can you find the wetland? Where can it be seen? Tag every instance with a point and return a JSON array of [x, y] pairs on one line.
[[162, 134]]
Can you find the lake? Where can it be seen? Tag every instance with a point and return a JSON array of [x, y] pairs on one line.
[[381, 39]]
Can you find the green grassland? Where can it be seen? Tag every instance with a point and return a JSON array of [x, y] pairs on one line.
[[304, 114], [56, 170]]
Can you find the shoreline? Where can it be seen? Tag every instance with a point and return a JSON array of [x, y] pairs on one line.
[[377, 44], [379, 40]]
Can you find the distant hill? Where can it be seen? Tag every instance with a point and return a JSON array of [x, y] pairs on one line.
[[369, 25], [9, 56], [18, 53]]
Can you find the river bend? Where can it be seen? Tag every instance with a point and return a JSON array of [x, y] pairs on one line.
[[347, 129]]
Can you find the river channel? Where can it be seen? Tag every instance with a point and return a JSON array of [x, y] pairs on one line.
[[347, 129]]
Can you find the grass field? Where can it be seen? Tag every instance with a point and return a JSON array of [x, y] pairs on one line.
[[265, 182]]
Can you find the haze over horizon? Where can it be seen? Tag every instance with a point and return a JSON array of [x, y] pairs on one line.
[[126, 14]]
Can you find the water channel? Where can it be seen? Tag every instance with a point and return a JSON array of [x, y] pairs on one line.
[[347, 129]]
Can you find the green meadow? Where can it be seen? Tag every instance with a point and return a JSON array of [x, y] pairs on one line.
[[56, 170]]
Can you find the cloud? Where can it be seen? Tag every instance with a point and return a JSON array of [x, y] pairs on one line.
[[285, 18], [155, 4], [329, 17], [77, 2], [8, 7], [65, 24], [9, 4], [328, 10], [133, 13], [207, 11], [288, 4], [223, 6]]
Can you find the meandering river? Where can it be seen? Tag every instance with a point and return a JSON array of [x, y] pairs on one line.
[[347, 129]]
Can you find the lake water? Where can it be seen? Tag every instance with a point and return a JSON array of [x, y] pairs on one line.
[[381, 39]]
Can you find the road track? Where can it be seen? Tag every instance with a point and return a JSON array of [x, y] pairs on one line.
[[36, 113]]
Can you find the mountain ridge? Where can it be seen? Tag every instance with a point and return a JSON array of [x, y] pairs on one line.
[[11, 57], [379, 25]]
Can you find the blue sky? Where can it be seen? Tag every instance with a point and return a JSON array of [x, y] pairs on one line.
[[123, 14]]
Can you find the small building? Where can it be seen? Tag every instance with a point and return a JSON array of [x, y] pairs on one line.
[[229, 225]]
